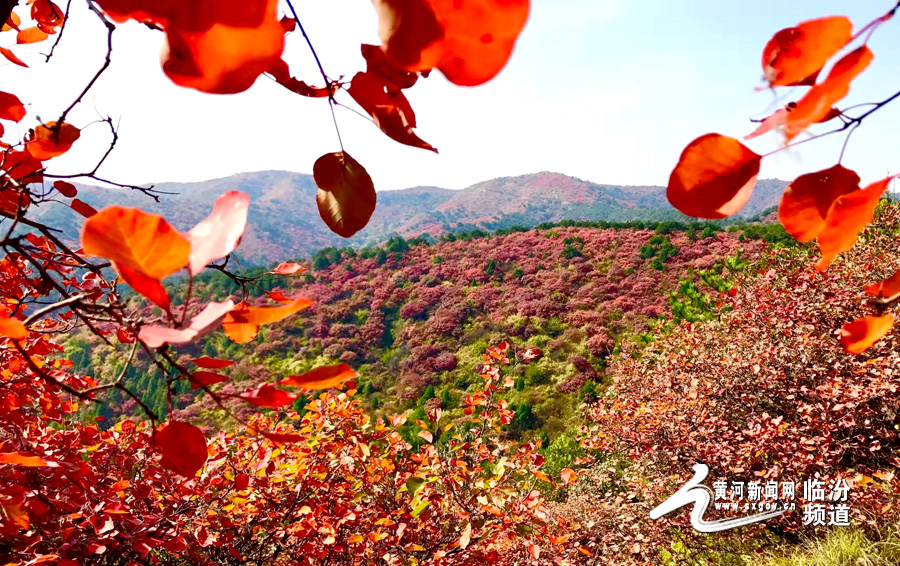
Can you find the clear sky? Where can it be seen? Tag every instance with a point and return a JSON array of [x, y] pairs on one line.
[[606, 91]]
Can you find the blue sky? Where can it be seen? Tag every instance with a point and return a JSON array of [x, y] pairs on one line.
[[606, 91]]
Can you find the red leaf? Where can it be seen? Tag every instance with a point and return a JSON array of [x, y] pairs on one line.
[[325, 377], [807, 202], [46, 13], [67, 190], [289, 269], [12, 328], [820, 99], [714, 177], [219, 233], [388, 107], [568, 476], [11, 108], [278, 296], [125, 336], [282, 75], [203, 323], [206, 378], [346, 196], [794, 56], [267, 395], [82, 208], [861, 334], [51, 141], [147, 287], [280, 438], [211, 363], [183, 447], [241, 482], [377, 63]]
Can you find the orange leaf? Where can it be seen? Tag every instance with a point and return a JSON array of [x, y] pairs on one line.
[[346, 195], [206, 378], [11, 57], [470, 42], [67, 190], [794, 56], [218, 234], [377, 63], [289, 269], [31, 35], [242, 324], [859, 335], [50, 141], [25, 459], [12, 200], [280, 438], [568, 476], [208, 319], [211, 363], [136, 240], [11, 108], [325, 377], [388, 107], [278, 296], [183, 447], [851, 214], [818, 102], [12, 328], [714, 177], [22, 167], [13, 21], [82, 208], [807, 201], [15, 514], [268, 396], [888, 290], [147, 287], [426, 436]]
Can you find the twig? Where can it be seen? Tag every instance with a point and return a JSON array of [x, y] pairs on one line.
[[61, 30]]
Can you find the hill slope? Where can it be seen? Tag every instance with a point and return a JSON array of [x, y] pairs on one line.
[[284, 221]]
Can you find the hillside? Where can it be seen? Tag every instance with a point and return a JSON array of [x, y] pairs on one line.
[[284, 222], [414, 319]]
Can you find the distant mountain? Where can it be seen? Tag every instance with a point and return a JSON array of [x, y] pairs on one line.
[[285, 223]]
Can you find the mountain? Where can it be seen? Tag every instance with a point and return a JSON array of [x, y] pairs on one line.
[[285, 223]]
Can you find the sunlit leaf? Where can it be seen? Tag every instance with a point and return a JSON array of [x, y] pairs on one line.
[[207, 321], [31, 35], [861, 334], [388, 107], [888, 290], [148, 287], [26, 460], [51, 140], [818, 102], [218, 234], [714, 177], [346, 196], [794, 56], [11, 108], [82, 208], [325, 377], [807, 202], [211, 363], [267, 395], [183, 447], [206, 378], [851, 214], [242, 324], [46, 13], [12, 57], [282, 75], [12, 328], [568, 476], [67, 190], [289, 269]]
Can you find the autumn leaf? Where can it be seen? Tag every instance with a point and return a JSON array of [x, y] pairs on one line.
[[52, 140], [148, 287], [282, 438], [267, 395], [11, 108], [67, 190], [794, 56], [46, 13], [426, 436], [206, 378], [289, 269], [12, 328], [208, 319], [325, 377], [714, 177], [861, 334], [388, 107], [465, 537], [243, 322], [31, 35], [852, 212], [807, 202], [818, 102], [183, 447], [12, 57], [12, 201], [26, 460], [211, 363], [886, 291], [469, 42], [218, 234], [568, 476], [138, 241], [82, 208], [346, 196], [282, 75]]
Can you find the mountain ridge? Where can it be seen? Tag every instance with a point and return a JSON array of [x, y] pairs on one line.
[[284, 221]]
